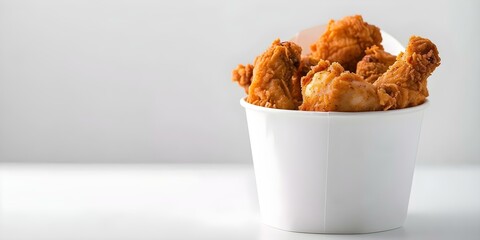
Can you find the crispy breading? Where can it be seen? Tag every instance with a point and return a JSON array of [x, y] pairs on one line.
[[346, 40], [410, 72], [272, 82], [330, 88], [348, 70], [243, 75], [374, 63]]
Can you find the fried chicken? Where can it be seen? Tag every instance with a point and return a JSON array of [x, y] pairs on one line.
[[410, 72], [374, 63], [273, 84], [346, 40], [348, 70], [243, 76], [330, 88]]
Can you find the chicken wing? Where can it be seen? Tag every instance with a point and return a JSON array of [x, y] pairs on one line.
[[273, 83], [374, 63], [410, 72], [346, 40]]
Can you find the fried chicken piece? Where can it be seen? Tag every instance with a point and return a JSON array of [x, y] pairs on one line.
[[330, 88], [410, 72], [374, 63], [272, 82], [243, 75], [346, 40]]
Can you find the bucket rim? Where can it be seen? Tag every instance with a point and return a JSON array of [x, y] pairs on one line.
[[249, 106]]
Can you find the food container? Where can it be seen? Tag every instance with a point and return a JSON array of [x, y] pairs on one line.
[[334, 172]]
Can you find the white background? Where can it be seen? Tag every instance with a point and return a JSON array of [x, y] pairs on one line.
[[149, 81]]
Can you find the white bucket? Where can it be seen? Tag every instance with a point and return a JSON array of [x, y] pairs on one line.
[[333, 172]]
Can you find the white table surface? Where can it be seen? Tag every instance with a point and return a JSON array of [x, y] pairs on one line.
[[73, 201]]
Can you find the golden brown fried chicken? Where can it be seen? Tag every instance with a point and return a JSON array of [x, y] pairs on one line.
[[272, 83], [410, 72], [374, 63], [243, 75], [346, 40], [330, 88]]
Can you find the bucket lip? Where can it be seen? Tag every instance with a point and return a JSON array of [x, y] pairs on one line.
[[407, 110]]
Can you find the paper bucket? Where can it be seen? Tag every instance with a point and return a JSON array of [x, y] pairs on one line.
[[333, 172]]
